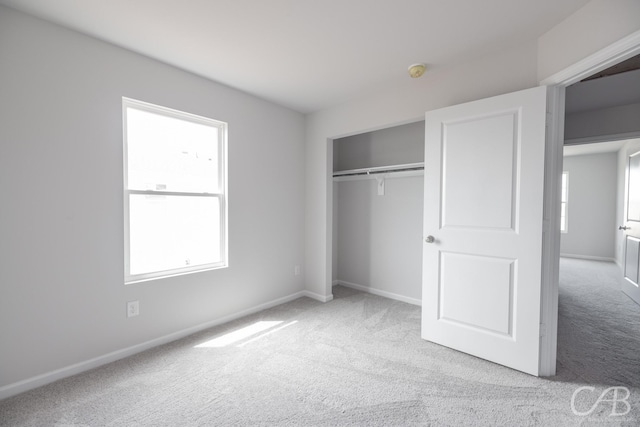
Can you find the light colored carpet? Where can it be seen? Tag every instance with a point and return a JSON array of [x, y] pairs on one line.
[[357, 360]]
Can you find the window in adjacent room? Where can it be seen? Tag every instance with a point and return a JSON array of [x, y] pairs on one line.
[[175, 206], [564, 200]]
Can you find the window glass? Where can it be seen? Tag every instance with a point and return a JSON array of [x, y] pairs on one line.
[[165, 153], [171, 232], [564, 200]]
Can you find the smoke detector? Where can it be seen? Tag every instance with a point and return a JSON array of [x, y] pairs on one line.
[[417, 70]]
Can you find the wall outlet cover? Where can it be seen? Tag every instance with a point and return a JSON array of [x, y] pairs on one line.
[[133, 308]]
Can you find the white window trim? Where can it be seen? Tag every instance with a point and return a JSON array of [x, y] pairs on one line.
[[223, 197]]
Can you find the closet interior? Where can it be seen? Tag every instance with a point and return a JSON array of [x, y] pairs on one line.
[[378, 193]]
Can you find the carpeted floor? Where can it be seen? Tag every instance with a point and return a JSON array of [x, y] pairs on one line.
[[357, 360]]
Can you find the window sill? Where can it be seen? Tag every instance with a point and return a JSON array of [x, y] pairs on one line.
[[174, 274]]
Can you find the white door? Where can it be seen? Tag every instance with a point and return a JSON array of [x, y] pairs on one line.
[[482, 257], [631, 229]]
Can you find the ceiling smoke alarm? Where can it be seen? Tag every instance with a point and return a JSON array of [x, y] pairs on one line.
[[417, 70]]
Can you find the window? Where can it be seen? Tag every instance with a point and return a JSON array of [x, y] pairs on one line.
[[175, 205], [563, 202]]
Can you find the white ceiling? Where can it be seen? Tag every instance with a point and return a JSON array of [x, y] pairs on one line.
[[307, 54]]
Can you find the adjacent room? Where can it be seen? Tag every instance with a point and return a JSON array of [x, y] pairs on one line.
[[319, 213]]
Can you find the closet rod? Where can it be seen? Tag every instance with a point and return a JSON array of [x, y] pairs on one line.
[[380, 169]]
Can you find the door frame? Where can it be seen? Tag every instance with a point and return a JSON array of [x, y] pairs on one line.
[[617, 52]]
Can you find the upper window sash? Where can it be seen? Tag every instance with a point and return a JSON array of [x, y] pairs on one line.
[[174, 158]]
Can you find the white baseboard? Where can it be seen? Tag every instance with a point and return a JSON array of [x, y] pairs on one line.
[[49, 377], [317, 297], [379, 292], [587, 257]]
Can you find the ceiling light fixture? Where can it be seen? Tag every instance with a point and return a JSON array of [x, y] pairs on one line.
[[417, 70]]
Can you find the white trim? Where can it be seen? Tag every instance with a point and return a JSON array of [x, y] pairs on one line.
[[317, 297], [551, 231], [617, 52], [378, 292], [327, 276], [603, 138], [588, 257], [49, 377]]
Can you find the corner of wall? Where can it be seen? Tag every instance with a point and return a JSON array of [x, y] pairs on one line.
[[592, 28]]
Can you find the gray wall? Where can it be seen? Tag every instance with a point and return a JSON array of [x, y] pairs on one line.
[[592, 206], [377, 240], [62, 296], [603, 109], [603, 124], [392, 146]]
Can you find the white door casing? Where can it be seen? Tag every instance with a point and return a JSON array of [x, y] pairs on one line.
[[631, 228], [484, 179]]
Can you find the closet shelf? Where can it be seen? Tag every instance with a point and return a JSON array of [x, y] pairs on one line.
[[392, 171]]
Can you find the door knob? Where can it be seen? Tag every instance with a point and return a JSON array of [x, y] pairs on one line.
[[429, 239], [622, 227]]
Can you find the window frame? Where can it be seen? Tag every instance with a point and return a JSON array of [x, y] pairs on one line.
[[221, 195], [564, 202]]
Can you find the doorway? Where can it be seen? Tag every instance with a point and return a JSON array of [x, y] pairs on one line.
[[600, 126], [598, 132], [591, 201], [615, 53]]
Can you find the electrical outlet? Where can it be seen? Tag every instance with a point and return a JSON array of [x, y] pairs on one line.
[[133, 308], [296, 270]]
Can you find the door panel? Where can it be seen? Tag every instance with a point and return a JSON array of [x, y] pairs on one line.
[[631, 279], [479, 292], [483, 197], [631, 259], [633, 194], [484, 176]]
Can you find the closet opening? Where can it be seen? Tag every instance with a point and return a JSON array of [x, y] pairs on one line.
[[378, 193]]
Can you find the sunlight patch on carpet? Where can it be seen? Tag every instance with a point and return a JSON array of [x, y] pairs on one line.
[[267, 333], [244, 333]]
